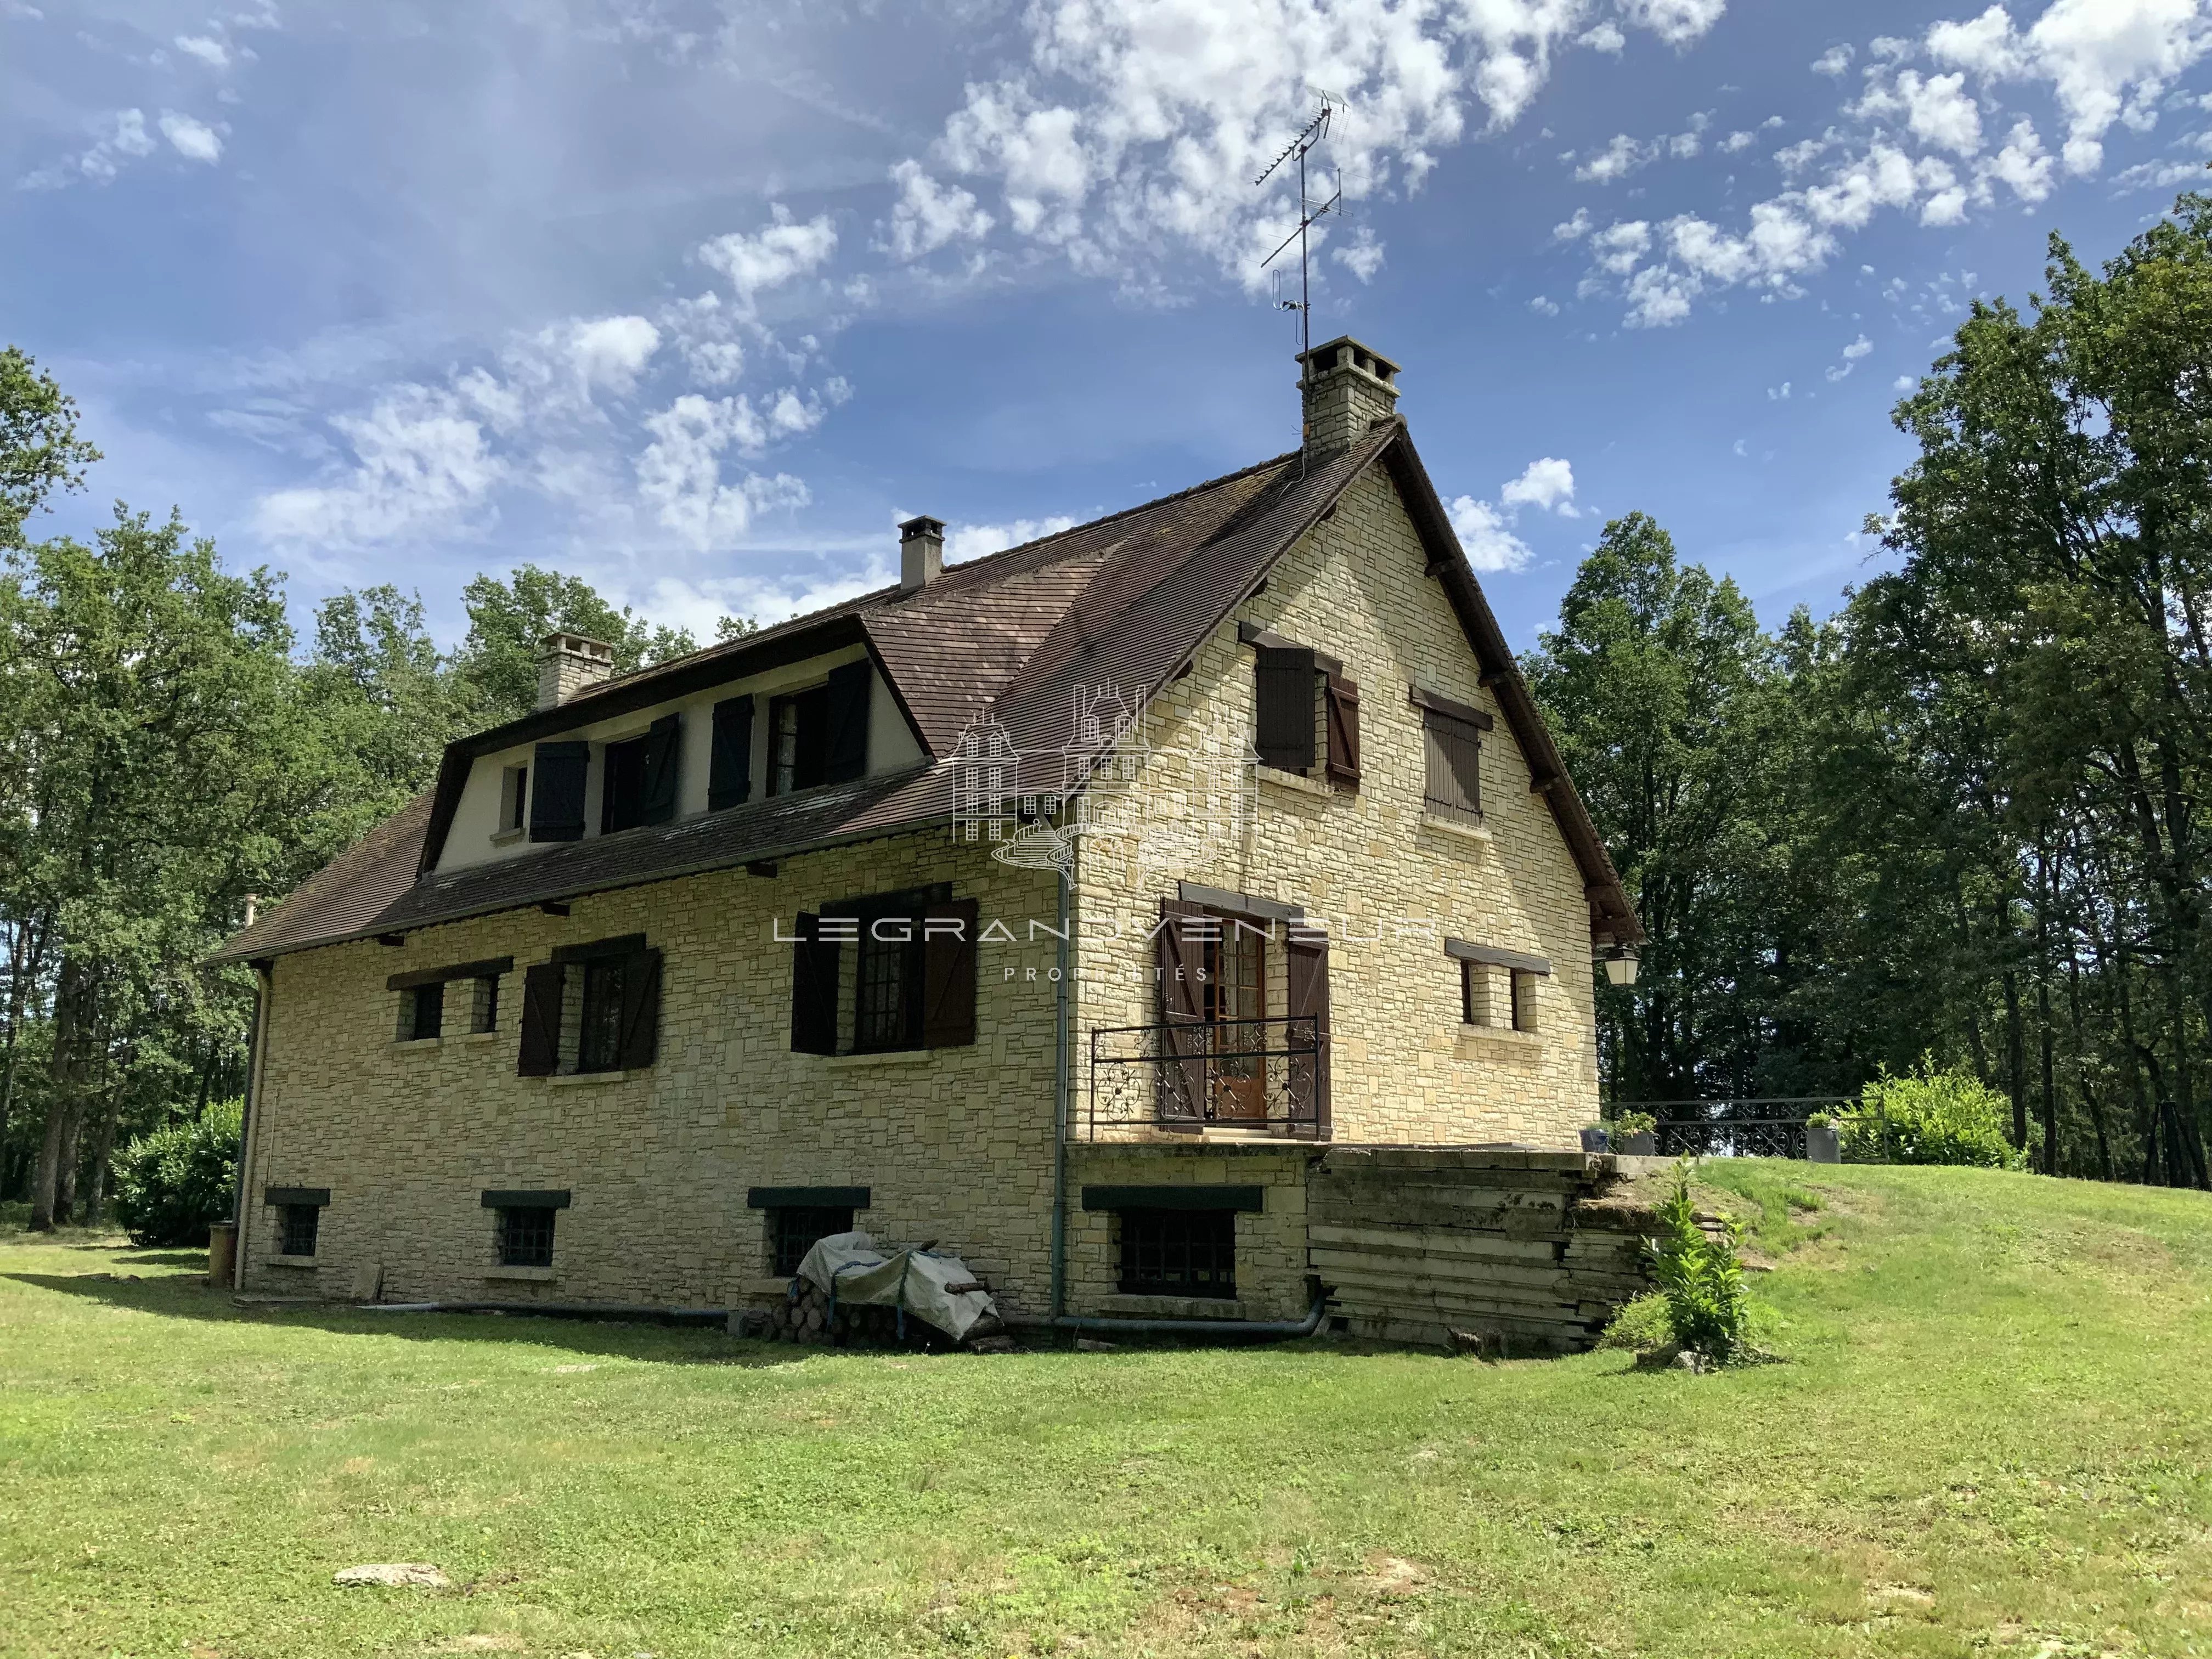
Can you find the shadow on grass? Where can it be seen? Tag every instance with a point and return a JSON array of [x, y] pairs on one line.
[[174, 1298]]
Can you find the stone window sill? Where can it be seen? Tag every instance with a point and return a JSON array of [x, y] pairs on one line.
[[888, 1057], [1503, 1034], [417, 1045], [307, 1261], [532, 1275], [1298, 782], [1170, 1307], [1453, 826], [507, 837], [562, 1078], [478, 1037]]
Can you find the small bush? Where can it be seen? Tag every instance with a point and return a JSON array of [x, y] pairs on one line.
[[1642, 1325], [1929, 1116], [171, 1183], [1700, 1278], [1634, 1123]]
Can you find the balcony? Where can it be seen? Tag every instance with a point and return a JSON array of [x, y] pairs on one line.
[[1261, 1077]]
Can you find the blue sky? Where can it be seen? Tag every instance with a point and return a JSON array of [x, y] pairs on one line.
[[696, 299]]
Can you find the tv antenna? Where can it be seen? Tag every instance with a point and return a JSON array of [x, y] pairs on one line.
[[1310, 213]]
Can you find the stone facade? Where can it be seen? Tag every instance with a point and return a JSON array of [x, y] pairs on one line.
[[959, 1145]]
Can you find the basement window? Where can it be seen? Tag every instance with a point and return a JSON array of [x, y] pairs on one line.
[[296, 1227], [795, 1230], [526, 1236], [1178, 1252]]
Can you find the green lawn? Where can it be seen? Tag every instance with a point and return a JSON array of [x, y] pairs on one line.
[[1991, 1437]]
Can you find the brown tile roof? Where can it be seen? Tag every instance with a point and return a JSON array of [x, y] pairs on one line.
[[1123, 601]]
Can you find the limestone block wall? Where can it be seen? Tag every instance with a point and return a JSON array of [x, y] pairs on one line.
[[956, 1144], [1390, 881]]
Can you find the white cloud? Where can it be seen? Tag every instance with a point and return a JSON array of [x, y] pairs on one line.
[[1489, 545], [1574, 229], [1363, 257], [125, 141], [1778, 394], [1547, 485], [1623, 156], [1543, 307], [1736, 141], [929, 215], [1903, 383], [193, 140], [1857, 350], [421, 462], [1832, 62], [1677, 22], [211, 52], [1936, 110], [972, 541], [768, 257], [1606, 37], [1618, 246], [680, 473], [2022, 164]]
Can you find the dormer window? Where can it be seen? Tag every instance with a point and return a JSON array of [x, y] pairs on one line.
[[820, 735], [639, 778], [513, 800]]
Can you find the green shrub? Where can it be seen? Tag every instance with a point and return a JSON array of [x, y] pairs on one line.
[[1929, 1116], [1642, 1325], [1699, 1277], [1634, 1123], [171, 1183]]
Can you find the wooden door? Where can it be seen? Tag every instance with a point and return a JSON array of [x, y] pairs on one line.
[[1235, 991]]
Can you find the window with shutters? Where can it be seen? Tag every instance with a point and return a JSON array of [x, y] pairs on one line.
[[1454, 787], [622, 794], [599, 1015], [513, 802], [1498, 988], [909, 976], [820, 735], [887, 1000], [594, 1009]]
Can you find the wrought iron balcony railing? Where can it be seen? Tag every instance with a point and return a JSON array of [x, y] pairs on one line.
[[1257, 1074]]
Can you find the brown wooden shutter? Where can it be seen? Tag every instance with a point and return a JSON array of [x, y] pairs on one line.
[[664, 743], [1308, 962], [1283, 689], [540, 1053], [948, 976], [813, 989], [1342, 700], [730, 772], [846, 720], [1182, 975], [557, 793], [641, 1011]]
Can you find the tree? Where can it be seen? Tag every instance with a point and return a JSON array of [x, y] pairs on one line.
[[39, 449], [496, 667]]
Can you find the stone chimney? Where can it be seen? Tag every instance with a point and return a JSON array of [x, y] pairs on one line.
[[1347, 387], [921, 554], [567, 663]]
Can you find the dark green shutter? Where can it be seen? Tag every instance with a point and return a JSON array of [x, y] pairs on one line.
[[664, 744], [813, 989], [540, 1054], [1282, 686], [641, 1012], [730, 774], [556, 794], [1342, 699], [948, 975], [847, 714]]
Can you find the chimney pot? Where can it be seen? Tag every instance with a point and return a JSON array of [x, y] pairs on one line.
[[567, 663], [1346, 387], [921, 554]]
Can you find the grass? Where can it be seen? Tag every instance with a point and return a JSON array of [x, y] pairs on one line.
[[1990, 1438]]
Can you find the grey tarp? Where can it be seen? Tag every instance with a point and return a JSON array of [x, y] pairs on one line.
[[847, 1268]]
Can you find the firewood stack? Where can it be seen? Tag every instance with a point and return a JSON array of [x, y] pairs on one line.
[[806, 1318]]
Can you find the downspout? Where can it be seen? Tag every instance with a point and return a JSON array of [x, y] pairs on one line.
[[257, 1044], [1061, 1001]]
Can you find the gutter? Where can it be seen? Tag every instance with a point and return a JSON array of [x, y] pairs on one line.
[[257, 1047], [1060, 1105]]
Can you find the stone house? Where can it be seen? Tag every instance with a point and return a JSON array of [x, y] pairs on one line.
[[1067, 906]]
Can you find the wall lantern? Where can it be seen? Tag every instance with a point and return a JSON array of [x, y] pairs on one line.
[[1621, 965]]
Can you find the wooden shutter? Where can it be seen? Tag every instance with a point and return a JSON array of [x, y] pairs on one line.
[[845, 739], [1454, 787], [813, 989], [948, 976], [1341, 698], [730, 773], [556, 794], [1308, 963], [664, 745], [540, 1054], [641, 1011], [1283, 690], [1181, 965]]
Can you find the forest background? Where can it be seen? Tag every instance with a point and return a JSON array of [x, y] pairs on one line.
[[1955, 824]]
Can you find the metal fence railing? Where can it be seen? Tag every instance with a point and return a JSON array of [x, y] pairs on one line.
[[1761, 1126], [1259, 1074]]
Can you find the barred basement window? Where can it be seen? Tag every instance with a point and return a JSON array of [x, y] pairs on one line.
[[525, 1237], [1178, 1253], [297, 1226], [795, 1230]]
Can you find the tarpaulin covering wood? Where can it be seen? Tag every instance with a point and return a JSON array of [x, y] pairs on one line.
[[848, 1267]]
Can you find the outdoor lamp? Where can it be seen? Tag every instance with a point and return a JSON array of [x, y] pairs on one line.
[[1621, 965]]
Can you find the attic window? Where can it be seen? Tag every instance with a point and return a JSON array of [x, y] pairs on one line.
[[513, 799], [820, 735], [1305, 711], [639, 783]]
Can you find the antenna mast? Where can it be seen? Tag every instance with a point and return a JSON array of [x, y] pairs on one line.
[[1309, 212]]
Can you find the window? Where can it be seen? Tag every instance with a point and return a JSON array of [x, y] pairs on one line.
[[793, 1230], [526, 1236], [911, 983], [513, 799], [1178, 1252], [1498, 988], [423, 1012], [887, 1000], [483, 1003], [820, 735], [297, 1224], [599, 1042], [1524, 1001], [1454, 789], [637, 784]]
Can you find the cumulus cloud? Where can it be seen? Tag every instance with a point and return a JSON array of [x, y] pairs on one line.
[[1833, 62], [421, 461], [1363, 257], [972, 541], [1606, 37], [772, 256], [680, 476], [212, 52], [1543, 307], [1547, 485], [193, 140], [1623, 156], [1485, 529], [124, 141], [928, 215], [1857, 350]]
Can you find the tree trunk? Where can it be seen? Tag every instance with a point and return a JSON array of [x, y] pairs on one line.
[[97, 1169], [2015, 1059], [53, 1185]]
